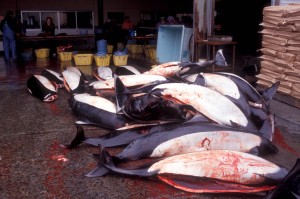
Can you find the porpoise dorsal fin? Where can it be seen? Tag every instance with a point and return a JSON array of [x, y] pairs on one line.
[[268, 128], [121, 93], [270, 92]]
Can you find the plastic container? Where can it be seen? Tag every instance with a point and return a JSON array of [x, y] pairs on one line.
[[120, 60], [152, 53], [135, 48], [42, 52], [148, 48], [65, 56], [173, 43], [101, 46], [102, 60], [83, 59]]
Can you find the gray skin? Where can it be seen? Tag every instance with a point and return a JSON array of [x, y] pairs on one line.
[[188, 162], [252, 94], [226, 87], [204, 136], [127, 134], [90, 114], [144, 146]]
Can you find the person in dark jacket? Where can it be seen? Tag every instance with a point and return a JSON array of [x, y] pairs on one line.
[[20, 29], [7, 26], [48, 27]]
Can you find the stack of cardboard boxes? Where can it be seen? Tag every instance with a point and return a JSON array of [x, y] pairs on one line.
[[280, 59]]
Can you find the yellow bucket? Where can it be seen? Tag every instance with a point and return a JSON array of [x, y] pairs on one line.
[[120, 60], [83, 59], [42, 52], [102, 60], [65, 56]]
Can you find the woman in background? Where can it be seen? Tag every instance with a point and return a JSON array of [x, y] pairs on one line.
[[127, 27], [48, 27], [127, 24]]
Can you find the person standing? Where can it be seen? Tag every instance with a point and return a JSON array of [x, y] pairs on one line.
[[48, 27], [7, 27], [127, 27], [127, 24]]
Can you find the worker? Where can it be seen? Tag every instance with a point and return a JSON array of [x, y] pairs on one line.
[[7, 27]]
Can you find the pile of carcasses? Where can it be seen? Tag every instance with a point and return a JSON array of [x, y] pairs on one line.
[[203, 132]]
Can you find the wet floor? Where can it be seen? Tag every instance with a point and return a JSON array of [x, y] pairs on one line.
[[32, 165]]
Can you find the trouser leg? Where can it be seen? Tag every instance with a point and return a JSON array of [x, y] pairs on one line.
[[6, 47], [13, 47]]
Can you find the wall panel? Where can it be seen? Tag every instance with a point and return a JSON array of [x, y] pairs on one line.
[[132, 8], [50, 5]]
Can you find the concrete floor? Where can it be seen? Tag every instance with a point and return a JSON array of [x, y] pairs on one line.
[[32, 165]]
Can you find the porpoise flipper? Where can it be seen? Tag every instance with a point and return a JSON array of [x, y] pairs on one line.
[[79, 138]]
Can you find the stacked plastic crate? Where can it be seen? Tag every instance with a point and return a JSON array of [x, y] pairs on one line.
[[280, 59]]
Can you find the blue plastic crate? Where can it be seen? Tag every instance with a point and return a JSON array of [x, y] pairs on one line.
[[173, 43]]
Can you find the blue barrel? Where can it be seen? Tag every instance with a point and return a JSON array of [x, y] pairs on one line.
[[101, 46]]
